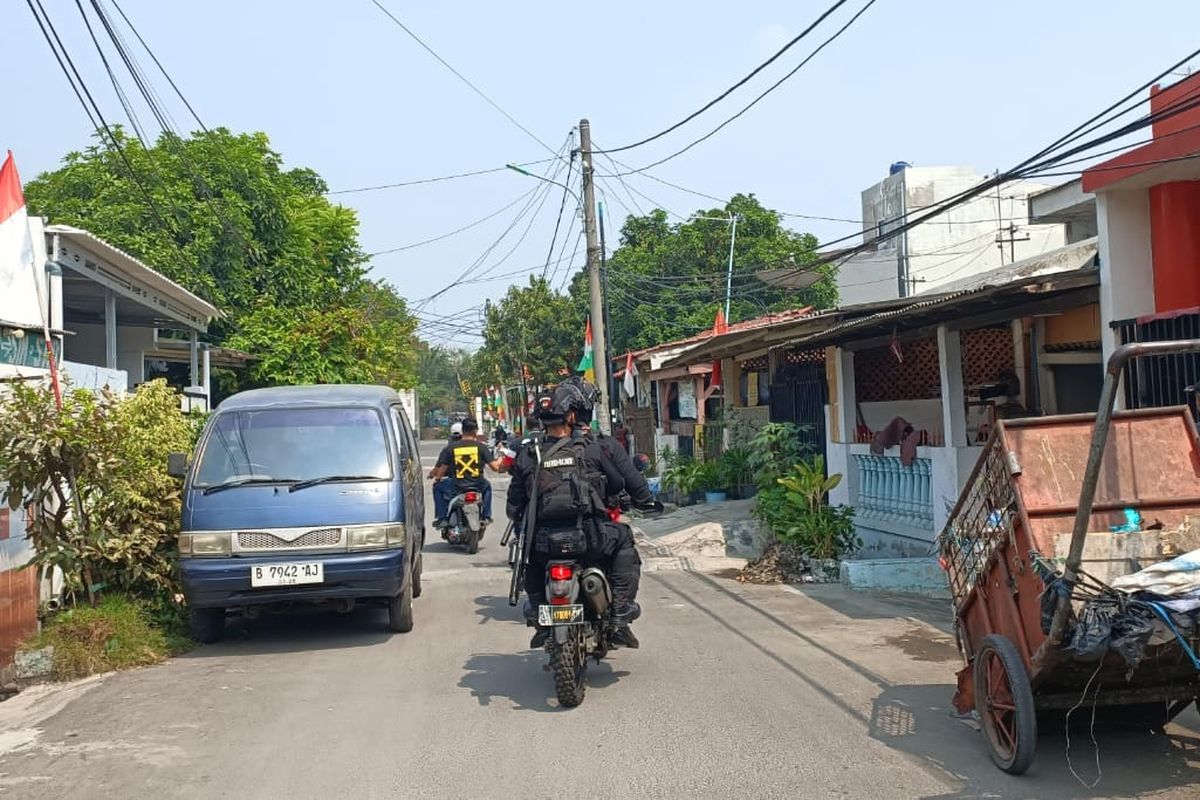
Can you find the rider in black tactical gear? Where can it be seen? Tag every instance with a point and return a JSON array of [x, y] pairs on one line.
[[608, 545], [635, 481]]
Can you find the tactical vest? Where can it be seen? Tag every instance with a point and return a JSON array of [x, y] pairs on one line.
[[569, 489]]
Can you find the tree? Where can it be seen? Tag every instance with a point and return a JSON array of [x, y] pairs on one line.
[[533, 326], [219, 213], [438, 369], [667, 281]]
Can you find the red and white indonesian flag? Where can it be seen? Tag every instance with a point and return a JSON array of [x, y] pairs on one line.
[[19, 303]]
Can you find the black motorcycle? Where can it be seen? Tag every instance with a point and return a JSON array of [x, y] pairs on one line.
[[578, 611], [464, 521]]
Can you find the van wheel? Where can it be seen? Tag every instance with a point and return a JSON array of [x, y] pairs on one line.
[[416, 573], [207, 624], [400, 614]]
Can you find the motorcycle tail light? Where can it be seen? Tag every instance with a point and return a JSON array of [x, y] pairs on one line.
[[472, 497], [560, 600], [561, 572]]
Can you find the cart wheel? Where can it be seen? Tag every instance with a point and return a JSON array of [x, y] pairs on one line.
[[1004, 700]]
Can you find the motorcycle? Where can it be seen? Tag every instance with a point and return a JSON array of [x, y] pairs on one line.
[[464, 521], [579, 614]]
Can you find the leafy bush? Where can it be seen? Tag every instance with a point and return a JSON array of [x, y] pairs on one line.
[[773, 451], [118, 633], [94, 474], [682, 473], [796, 511], [735, 467]]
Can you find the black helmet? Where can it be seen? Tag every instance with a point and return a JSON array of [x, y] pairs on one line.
[[589, 395], [554, 406]]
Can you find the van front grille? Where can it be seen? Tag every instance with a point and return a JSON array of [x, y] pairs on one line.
[[261, 540]]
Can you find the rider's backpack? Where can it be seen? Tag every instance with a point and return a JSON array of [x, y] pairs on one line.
[[569, 498]]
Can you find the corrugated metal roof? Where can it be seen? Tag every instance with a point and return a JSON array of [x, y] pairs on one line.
[[134, 268], [1065, 279]]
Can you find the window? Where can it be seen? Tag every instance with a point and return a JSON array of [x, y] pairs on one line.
[[294, 444], [758, 381], [403, 433]]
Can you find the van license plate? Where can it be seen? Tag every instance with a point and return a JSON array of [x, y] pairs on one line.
[[287, 574], [560, 615]]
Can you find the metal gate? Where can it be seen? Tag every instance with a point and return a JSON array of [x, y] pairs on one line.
[[798, 395], [1159, 381]]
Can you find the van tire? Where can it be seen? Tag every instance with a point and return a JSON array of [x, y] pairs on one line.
[[400, 613], [416, 573], [207, 624]]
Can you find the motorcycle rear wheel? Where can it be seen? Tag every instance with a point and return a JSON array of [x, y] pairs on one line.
[[568, 661], [473, 542]]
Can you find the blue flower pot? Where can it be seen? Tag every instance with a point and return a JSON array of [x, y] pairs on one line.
[[714, 497]]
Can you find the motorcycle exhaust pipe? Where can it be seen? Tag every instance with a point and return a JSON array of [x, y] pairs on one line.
[[596, 593]]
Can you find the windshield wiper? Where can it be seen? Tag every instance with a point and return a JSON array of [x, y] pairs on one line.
[[236, 482], [298, 485]]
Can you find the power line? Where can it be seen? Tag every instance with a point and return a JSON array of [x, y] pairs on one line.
[[733, 88], [769, 89], [438, 179], [91, 108], [456, 231], [561, 207], [460, 76], [161, 68]]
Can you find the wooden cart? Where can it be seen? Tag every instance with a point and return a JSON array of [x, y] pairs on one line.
[[1042, 498]]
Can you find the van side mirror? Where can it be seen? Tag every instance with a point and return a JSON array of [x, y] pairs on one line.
[[177, 465]]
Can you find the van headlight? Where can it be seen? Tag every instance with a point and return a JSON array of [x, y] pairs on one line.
[[208, 544], [367, 537]]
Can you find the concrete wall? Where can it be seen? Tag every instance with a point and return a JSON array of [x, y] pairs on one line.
[[953, 245], [87, 347], [1126, 265], [920, 576]]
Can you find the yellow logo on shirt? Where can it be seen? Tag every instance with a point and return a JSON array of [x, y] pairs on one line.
[[466, 462]]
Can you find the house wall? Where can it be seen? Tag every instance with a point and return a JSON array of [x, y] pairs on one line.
[[87, 347], [956, 244], [1126, 260], [18, 587]]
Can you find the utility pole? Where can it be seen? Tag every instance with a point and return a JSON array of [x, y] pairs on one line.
[[729, 272], [599, 351], [615, 393]]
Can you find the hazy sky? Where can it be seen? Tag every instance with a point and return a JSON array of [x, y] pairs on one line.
[[340, 88]]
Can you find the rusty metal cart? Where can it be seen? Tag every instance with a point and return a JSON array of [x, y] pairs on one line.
[[1044, 494]]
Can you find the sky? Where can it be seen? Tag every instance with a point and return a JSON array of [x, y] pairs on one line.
[[342, 89]]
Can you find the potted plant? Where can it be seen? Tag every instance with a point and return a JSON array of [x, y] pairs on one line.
[[712, 481], [682, 478], [738, 475]]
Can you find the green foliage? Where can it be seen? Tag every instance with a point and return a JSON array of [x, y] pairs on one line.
[[667, 281], [532, 325], [796, 511], [682, 473], [118, 633], [259, 241], [735, 466], [105, 510], [775, 448], [438, 369]]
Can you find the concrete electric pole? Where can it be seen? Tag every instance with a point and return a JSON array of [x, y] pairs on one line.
[[599, 351]]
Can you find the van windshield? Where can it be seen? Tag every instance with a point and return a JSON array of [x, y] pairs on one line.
[[294, 444]]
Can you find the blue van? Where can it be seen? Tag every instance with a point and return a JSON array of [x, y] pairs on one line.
[[302, 494]]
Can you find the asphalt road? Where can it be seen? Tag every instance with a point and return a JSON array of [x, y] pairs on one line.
[[738, 691]]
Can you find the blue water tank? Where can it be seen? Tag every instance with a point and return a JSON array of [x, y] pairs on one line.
[[898, 166]]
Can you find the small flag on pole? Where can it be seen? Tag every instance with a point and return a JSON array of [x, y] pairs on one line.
[[586, 364], [629, 385]]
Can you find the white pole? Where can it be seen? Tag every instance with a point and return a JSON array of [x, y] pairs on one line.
[[729, 273]]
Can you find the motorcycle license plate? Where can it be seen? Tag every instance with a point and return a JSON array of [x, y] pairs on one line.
[[560, 615]]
